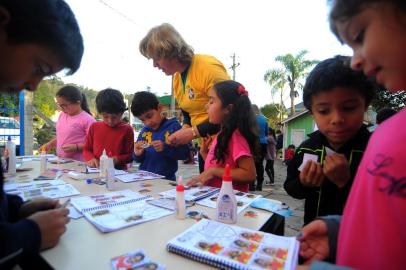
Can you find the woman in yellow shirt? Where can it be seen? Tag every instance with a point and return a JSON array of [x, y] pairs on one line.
[[193, 75]]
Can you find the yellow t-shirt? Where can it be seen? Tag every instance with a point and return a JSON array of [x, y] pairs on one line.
[[204, 71]]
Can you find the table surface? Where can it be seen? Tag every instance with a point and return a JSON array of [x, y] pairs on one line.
[[83, 246]]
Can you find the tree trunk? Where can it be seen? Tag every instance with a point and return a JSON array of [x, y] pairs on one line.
[[292, 98]]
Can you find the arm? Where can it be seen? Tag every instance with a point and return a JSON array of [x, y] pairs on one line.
[[292, 184], [139, 152], [128, 147], [186, 118], [88, 146], [49, 145]]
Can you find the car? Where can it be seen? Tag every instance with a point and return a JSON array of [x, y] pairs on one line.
[[9, 127]]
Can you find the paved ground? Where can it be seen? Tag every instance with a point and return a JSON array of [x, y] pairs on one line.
[[293, 223]]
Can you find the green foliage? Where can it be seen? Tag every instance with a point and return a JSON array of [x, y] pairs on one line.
[[272, 112], [9, 104], [385, 99], [44, 96]]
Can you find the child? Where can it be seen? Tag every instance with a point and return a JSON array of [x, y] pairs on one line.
[[337, 98], [159, 157], [289, 153], [230, 107], [73, 123], [31, 47], [372, 231], [112, 134], [270, 156]]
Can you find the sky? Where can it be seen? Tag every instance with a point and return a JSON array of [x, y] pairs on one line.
[[255, 31]]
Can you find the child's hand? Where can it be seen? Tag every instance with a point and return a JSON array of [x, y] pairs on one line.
[[201, 179], [314, 241], [93, 163], [337, 169], [311, 175], [158, 145], [204, 148], [69, 148], [52, 224], [138, 149]]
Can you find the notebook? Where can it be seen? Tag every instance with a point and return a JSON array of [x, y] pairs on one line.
[[53, 192], [232, 247], [116, 210], [138, 176], [243, 200], [136, 260], [192, 193]]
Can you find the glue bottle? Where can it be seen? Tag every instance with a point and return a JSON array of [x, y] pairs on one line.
[[110, 175], [43, 162], [226, 202], [180, 200], [11, 165], [103, 164]]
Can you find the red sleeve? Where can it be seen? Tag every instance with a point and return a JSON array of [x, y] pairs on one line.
[[128, 147], [88, 147]]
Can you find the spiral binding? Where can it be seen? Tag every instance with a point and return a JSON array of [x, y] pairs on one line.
[[214, 260], [101, 207]]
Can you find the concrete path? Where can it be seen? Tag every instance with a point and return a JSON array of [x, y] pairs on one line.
[[293, 223]]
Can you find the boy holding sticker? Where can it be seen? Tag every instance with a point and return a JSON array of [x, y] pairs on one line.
[[324, 166]]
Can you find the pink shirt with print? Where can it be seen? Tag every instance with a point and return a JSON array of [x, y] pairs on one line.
[[373, 230], [237, 147], [72, 130]]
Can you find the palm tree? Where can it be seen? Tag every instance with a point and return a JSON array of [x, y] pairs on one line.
[[295, 68], [277, 81]]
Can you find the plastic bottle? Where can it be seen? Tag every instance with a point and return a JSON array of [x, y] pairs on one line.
[[11, 165], [110, 175], [226, 202], [103, 164], [180, 200], [43, 162]]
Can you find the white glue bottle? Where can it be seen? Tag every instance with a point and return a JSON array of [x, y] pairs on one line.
[[110, 175], [180, 200], [226, 202], [43, 162], [103, 164], [11, 147]]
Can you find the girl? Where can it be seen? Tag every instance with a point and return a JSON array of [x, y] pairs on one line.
[[72, 125], [237, 140], [112, 134], [372, 229]]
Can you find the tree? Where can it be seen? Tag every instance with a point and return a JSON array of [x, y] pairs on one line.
[[295, 68], [386, 99], [271, 111], [276, 78]]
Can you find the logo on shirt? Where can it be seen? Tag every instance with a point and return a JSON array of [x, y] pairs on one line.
[[191, 93], [393, 186], [147, 136]]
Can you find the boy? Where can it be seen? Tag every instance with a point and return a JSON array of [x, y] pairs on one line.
[[112, 134], [337, 97], [151, 148], [37, 39]]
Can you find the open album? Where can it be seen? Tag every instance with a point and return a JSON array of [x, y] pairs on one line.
[[232, 247], [243, 200], [192, 193], [116, 210], [138, 176]]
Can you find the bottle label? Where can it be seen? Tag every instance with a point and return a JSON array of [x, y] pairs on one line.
[[225, 208]]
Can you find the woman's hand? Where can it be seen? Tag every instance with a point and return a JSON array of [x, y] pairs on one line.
[[180, 137]]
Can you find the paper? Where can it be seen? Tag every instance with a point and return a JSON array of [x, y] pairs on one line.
[[272, 206], [233, 247], [73, 213], [14, 186], [138, 176], [306, 158], [97, 170], [192, 193], [243, 200], [330, 151], [136, 260]]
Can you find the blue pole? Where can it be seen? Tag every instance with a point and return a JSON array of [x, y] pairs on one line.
[[22, 121]]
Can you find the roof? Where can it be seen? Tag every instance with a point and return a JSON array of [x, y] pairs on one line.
[[165, 100], [296, 115]]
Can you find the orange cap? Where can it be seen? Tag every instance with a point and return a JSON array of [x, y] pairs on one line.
[[226, 175]]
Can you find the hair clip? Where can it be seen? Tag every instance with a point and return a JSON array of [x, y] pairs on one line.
[[241, 90]]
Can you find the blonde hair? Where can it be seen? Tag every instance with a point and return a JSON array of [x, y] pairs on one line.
[[163, 41]]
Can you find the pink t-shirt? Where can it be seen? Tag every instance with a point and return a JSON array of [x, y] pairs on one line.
[[72, 130], [237, 147], [373, 230]]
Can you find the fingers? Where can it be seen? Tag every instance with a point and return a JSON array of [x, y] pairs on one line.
[[312, 174], [172, 139], [195, 181]]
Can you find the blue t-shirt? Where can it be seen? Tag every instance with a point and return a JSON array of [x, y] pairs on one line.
[[164, 162], [263, 129]]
